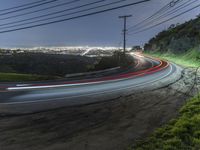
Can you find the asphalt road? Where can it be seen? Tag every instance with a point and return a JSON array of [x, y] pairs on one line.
[[36, 97]]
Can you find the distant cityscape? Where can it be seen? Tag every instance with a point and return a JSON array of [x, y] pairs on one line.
[[83, 51]]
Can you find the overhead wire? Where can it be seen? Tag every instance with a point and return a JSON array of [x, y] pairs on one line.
[[180, 14], [54, 13], [166, 14], [40, 10], [64, 15], [75, 17], [157, 13], [23, 5], [29, 7]]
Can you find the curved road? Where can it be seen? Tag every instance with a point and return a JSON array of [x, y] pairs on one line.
[[35, 97]]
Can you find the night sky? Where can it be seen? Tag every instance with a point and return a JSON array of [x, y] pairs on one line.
[[98, 30]]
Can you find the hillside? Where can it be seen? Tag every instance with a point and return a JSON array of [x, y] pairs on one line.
[[179, 44], [177, 39], [44, 64], [36, 66]]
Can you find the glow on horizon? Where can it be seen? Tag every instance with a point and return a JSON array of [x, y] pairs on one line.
[[57, 48]]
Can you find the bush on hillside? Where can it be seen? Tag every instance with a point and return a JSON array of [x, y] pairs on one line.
[[177, 39], [116, 60]]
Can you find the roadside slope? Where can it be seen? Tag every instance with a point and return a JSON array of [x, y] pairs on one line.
[[102, 126], [181, 132]]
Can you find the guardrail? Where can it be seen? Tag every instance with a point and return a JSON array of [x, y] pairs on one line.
[[110, 70]]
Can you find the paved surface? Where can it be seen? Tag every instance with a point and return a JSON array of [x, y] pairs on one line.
[[107, 122], [30, 98], [108, 125]]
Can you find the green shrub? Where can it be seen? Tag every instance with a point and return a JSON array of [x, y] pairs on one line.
[[182, 133]]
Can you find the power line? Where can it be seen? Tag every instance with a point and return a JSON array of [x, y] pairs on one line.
[[15, 7], [168, 13], [185, 5], [180, 14], [161, 17], [76, 17], [29, 7], [152, 20], [39, 10], [155, 14], [64, 15], [163, 9], [58, 12]]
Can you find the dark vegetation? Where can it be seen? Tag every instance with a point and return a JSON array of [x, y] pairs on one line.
[[181, 44], [182, 133], [29, 66], [117, 59], [44, 64], [12, 77], [177, 39]]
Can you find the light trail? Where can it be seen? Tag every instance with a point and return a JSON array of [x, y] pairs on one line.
[[114, 78]]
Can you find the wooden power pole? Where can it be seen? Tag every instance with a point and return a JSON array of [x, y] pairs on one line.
[[125, 30]]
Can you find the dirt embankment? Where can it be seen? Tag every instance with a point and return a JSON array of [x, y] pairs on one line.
[[110, 125]]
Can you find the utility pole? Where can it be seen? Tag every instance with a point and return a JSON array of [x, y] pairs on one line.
[[125, 30]]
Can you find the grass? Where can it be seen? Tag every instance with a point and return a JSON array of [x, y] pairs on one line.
[[189, 59], [182, 133], [13, 77]]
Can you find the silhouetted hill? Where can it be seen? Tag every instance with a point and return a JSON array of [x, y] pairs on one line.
[[177, 39]]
